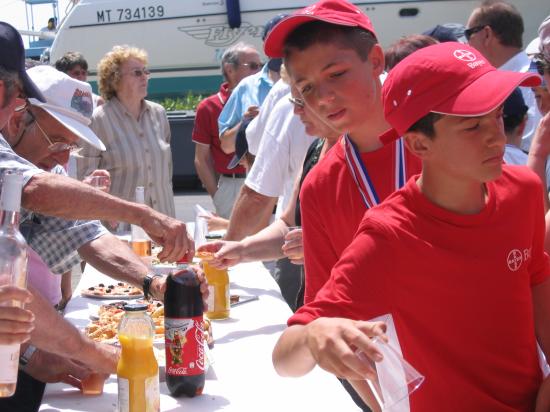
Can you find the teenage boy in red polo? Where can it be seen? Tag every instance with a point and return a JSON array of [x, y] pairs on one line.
[[343, 88], [466, 281]]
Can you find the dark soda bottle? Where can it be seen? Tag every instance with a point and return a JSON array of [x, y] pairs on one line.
[[183, 333]]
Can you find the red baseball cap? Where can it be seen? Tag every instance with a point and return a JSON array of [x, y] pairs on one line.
[[448, 78], [339, 12]]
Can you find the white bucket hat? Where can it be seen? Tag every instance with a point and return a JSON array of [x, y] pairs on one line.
[[68, 100]]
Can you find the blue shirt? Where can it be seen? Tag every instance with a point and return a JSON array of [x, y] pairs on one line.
[[251, 91]]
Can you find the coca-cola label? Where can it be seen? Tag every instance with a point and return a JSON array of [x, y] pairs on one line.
[[184, 339]]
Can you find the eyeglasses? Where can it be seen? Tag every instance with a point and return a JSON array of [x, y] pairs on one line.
[[297, 102], [139, 72], [252, 65], [541, 64], [54, 147], [468, 32]]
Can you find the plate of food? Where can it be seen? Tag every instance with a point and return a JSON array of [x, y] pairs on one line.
[[105, 327], [116, 290]]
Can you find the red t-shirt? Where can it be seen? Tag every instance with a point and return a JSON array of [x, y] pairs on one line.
[[458, 288], [205, 130], [332, 207]]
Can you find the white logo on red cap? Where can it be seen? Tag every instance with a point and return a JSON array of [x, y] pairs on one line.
[[464, 55]]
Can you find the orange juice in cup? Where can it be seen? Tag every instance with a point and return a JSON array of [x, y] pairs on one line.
[[93, 384]]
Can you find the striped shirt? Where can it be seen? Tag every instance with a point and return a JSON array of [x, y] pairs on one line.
[[138, 153]]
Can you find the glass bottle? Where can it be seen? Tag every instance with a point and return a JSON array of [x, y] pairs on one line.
[[141, 243], [183, 333], [13, 269], [137, 370]]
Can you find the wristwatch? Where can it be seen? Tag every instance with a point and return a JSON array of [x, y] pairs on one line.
[[26, 356], [147, 282]]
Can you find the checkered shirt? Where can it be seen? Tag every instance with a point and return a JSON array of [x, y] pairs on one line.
[[57, 240]]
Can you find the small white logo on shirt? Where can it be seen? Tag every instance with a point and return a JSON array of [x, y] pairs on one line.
[[514, 260]]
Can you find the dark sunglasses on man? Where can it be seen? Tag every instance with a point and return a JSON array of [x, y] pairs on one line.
[[469, 32]]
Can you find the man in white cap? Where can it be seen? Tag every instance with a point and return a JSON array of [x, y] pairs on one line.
[[44, 133]]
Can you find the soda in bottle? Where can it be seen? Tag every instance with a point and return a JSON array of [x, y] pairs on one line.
[[137, 369], [13, 269], [183, 333]]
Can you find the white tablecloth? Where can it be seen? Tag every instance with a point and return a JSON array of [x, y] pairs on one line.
[[242, 377]]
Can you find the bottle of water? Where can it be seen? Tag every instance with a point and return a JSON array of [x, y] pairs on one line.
[[13, 268], [141, 243]]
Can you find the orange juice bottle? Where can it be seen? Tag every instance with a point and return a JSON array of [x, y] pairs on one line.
[[137, 370], [218, 288]]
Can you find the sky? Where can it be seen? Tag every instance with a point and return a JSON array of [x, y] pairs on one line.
[[13, 12]]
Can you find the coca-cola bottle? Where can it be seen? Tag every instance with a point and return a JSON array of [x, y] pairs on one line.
[[183, 316]]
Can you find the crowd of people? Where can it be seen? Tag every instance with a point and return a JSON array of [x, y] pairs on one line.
[[385, 183]]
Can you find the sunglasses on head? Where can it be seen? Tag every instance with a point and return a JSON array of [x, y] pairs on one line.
[[468, 32]]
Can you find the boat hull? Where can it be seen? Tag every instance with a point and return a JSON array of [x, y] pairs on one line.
[[186, 39]]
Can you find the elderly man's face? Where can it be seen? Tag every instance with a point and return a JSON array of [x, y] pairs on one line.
[[32, 136], [249, 63]]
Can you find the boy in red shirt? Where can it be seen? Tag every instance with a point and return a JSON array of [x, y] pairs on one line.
[[343, 88], [466, 281]]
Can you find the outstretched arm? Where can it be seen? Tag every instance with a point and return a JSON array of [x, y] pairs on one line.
[[68, 198], [330, 343]]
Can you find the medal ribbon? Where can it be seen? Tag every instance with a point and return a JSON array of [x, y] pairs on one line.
[[361, 176]]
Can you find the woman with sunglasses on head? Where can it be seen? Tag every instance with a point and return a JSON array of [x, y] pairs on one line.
[[135, 132]]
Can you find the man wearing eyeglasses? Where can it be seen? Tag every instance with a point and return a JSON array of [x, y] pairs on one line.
[[223, 184], [46, 131], [248, 96], [52, 334], [495, 29], [60, 196]]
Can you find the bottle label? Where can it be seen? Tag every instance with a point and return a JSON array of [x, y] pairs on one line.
[[184, 346], [9, 359], [152, 394]]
